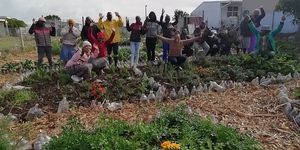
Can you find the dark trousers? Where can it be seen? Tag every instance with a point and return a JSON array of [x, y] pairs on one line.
[[225, 49], [176, 60], [42, 50], [213, 51], [150, 45], [113, 47]]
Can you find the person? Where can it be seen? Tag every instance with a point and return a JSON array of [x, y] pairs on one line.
[[100, 62], [175, 54], [107, 25], [42, 36], [167, 28], [227, 39], [256, 20], [187, 49], [205, 32], [152, 25], [245, 34], [214, 44], [265, 44], [86, 27], [136, 30], [78, 65], [69, 41]]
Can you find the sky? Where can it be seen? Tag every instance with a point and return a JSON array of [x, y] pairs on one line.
[[77, 8]]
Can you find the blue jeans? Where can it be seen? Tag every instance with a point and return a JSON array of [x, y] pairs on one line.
[[135, 46], [176, 60], [165, 50]]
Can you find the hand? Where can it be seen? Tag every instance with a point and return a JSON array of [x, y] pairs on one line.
[[92, 24], [283, 18], [95, 46], [71, 30], [117, 14], [33, 21], [127, 20], [155, 33], [162, 11], [100, 15], [52, 24], [176, 12], [113, 29], [248, 17]]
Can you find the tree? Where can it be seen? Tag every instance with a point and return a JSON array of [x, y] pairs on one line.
[[52, 17], [291, 7], [15, 23]]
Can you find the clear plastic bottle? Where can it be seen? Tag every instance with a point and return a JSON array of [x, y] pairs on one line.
[[173, 94], [194, 90], [181, 93], [63, 106], [186, 91], [144, 99], [159, 94], [151, 97]]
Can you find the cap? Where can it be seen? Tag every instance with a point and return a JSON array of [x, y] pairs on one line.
[[86, 43], [246, 12], [100, 35], [265, 28], [42, 19]]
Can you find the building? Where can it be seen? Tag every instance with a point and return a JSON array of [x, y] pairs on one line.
[[220, 12], [272, 18], [3, 26]]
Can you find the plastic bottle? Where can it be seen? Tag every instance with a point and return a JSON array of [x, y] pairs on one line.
[[159, 94], [151, 96], [63, 106], [173, 94], [144, 99], [194, 90], [181, 93]]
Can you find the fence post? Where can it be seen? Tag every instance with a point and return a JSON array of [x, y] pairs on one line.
[[21, 38]]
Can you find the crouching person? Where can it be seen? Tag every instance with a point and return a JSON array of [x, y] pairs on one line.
[[175, 48], [265, 44], [78, 65], [100, 61]]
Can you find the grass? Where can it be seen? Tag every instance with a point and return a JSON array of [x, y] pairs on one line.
[[13, 97]]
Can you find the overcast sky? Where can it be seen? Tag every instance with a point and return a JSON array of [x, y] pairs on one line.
[[26, 10]]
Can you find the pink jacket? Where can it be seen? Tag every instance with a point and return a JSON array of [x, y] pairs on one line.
[[77, 59]]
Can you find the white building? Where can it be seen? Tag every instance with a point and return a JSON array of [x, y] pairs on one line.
[[220, 12]]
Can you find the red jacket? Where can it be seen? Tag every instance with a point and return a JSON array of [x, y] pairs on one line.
[[101, 46]]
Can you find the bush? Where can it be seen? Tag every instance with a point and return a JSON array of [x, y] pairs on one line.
[[176, 125], [56, 47]]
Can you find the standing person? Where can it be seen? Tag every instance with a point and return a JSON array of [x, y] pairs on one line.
[[167, 28], [256, 20], [175, 55], [107, 25], [69, 41], [152, 25], [42, 39], [205, 32], [86, 27], [78, 65], [136, 30], [245, 34], [100, 61]]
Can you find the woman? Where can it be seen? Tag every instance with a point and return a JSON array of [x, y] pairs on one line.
[[175, 54], [152, 25], [78, 65], [136, 30], [100, 61], [256, 17], [69, 41]]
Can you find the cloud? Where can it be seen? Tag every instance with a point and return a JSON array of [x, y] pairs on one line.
[[76, 9]]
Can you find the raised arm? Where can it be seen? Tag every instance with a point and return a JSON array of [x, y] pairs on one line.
[[253, 28], [96, 52], [279, 28], [91, 36], [100, 23], [128, 27], [185, 42], [167, 40], [176, 21], [108, 41], [31, 29], [263, 13], [52, 31]]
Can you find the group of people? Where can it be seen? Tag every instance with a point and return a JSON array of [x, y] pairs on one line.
[[102, 39]]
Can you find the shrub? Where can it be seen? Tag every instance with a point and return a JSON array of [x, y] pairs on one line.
[[56, 47]]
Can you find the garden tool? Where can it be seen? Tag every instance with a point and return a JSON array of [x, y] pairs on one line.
[[173, 94], [144, 99], [194, 91], [63, 106], [296, 74], [151, 96]]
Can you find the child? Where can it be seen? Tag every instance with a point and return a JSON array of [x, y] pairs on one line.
[[78, 65]]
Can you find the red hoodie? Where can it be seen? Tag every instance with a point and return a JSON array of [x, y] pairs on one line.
[[101, 46]]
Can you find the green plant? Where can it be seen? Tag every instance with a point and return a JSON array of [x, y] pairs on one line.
[[16, 96], [38, 75], [56, 47], [5, 134]]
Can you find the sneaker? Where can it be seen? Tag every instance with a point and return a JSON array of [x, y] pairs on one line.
[[76, 78]]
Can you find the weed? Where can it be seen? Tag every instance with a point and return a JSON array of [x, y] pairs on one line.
[[16, 96]]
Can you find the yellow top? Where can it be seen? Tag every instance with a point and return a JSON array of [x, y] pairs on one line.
[[108, 25]]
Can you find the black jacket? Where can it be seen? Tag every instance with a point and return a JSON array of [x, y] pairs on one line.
[[167, 32], [84, 32], [245, 29], [207, 32]]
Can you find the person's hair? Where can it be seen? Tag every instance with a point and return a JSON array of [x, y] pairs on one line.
[[256, 10], [177, 32], [152, 13]]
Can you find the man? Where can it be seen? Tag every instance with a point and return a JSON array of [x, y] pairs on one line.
[[245, 33], [205, 32], [227, 39], [167, 28], [107, 25], [175, 54], [69, 41], [42, 39], [265, 44], [86, 27]]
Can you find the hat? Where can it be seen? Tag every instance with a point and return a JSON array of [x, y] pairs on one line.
[[42, 19], [86, 43], [100, 35], [265, 28], [72, 21], [246, 12]]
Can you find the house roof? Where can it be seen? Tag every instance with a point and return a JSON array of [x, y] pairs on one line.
[[2, 20], [216, 1]]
